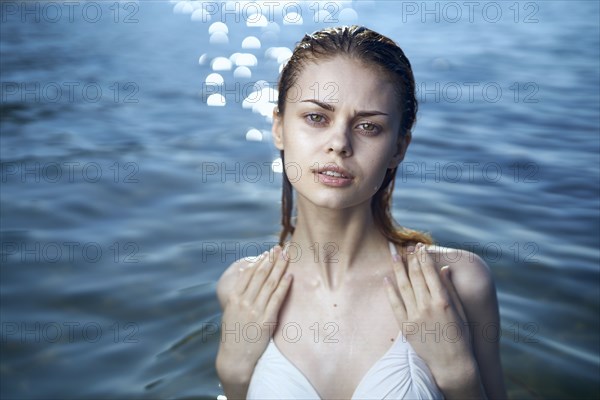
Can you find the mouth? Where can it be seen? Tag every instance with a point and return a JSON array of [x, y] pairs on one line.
[[333, 176], [334, 171]]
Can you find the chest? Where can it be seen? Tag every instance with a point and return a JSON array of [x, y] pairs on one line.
[[334, 339]]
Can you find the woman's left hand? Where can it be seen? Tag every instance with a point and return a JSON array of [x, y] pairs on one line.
[[433, 320]]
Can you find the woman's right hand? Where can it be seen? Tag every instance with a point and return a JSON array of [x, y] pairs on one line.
[[251, 312]]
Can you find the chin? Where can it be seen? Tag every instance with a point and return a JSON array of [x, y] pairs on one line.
[[334, 201]]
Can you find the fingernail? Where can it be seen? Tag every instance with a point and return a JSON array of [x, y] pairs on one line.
[[411, 249]]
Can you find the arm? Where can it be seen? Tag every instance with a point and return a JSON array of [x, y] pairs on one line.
[[475, 287], [235, 386], [249, 293], [467, 366]]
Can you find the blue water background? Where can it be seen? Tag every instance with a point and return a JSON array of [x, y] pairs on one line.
[[108, 271]]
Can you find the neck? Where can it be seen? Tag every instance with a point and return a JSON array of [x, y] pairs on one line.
[[335, 246]]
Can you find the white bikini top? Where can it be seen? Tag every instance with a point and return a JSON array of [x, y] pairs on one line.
[[399, 374]]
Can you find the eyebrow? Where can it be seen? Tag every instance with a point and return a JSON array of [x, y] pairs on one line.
[[331, 108]]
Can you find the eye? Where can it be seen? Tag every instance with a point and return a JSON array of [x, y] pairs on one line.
[[315, 119], [370, 128]]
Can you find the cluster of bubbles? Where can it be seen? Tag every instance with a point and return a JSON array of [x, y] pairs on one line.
[[262, 98]]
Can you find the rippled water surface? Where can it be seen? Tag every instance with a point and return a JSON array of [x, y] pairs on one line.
[[116, 220]]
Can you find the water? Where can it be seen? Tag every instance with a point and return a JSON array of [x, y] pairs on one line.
[[116, 222]]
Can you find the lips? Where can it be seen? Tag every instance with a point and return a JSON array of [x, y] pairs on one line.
[[334, 171], [333, 175]]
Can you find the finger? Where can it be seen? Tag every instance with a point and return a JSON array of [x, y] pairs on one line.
[[431, 275], [416, 277], [246, 272], [395, 301], [452, 291], [260, 275], [273, 280], [404, 286], [276, 300]]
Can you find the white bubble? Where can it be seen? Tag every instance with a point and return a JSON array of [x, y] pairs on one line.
[[219, 38], [348, 16], [254, 135], [277, 165], [220, 64], [264, 109], [271, 27], [256, 21], [203, 59], [246, 60], [217, 27], [242, 73], [441, 64], [261, 84], [234, 57], [277, 52], [215, 100], [200, 15], [251, 42], [283, 58], [183, 7], [264, 95], [214, 79], [293, 18]]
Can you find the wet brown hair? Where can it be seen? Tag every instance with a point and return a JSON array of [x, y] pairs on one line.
[[377, 52]]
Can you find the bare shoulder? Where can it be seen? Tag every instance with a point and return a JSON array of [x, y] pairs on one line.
[[470, 274], [228, 279]]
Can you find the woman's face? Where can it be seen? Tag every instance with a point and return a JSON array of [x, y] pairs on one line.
[[339, 114]]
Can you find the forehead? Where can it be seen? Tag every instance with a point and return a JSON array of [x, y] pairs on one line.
[[345, 82]]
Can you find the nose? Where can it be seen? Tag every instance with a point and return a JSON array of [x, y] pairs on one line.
[[339, 141]]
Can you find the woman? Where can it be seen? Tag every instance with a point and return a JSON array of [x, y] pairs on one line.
[[369, 312]]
